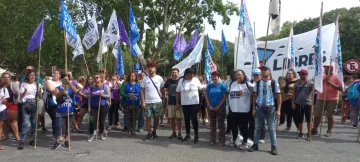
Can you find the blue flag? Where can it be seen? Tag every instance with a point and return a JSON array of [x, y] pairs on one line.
[[120, 63], [224, 45], [134, 32], [210, 45], [37, 37], [66, 22]]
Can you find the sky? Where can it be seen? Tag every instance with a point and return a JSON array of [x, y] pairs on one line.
[[290, 10]]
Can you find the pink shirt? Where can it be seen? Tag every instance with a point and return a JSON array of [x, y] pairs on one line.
[[332, 93]]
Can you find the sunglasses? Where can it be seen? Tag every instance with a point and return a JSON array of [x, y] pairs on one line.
[[97, 77]]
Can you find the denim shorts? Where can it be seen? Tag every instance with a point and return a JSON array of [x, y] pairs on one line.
[[3, 115]]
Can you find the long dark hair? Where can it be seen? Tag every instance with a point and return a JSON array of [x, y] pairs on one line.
[[129, 75], [87, 84], [245, 80], [28, 72]]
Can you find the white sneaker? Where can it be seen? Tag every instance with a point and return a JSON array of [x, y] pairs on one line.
[[62, 139], [206, 121], [287, 129], [91, 137], [262, 141], [243, 146], [141, 130], [102, 137]]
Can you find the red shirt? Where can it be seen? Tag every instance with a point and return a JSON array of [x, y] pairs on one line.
[[332, 93]]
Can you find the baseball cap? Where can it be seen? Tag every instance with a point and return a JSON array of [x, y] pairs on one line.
[[303, 71], [328, 66], [189, 70], [256, 72]]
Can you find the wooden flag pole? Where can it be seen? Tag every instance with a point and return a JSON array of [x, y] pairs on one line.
[[87, 68], [37, 93], [266, 41], [66, 71], [283, 71], [237, 51], [311, 113]]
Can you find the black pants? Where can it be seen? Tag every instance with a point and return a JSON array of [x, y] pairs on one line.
[[94, 113], [240, 121], [52, 113], [229, 122], [190, 112], [114, 113], [286, 109], [252, 128], [20, 119]]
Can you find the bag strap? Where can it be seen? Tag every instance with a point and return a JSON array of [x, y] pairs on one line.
[[155, 87], [297, 94]]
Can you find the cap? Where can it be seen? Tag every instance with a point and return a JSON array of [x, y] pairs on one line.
[[303, 71], [215, 73], [256, 72], [151, 64], [189, 70], [264, 66], [328, 66]]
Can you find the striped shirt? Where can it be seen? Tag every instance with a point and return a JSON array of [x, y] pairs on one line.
[[265, 97]]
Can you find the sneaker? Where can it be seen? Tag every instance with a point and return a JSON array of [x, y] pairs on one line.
[[66, 144], [167, 124], [254, 148], [21, 145], [281, 124], [232, 144], [228, 132], [141, 130], [186, 138], [354, 127], [300, 136], [154, 135], [118, 127], [180, 137], [273, 150], [196, 140], [206, 121], [62, 139], [91, 137], [262, 141], [243, 146], [314, 132], [328, 134], [173, 135], [162, 123], [32, 143], [56, 146], [102, 137], [148, 137], [110, 127], [287, 129]]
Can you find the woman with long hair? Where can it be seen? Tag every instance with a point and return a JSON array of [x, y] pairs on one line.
[[130, 92], [287, 88], [115, 103], [84, 93]]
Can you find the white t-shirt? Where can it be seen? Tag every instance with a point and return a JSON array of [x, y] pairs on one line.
[[151, 93], [31, 91], [189, 90], [240, 97], [3, 94]]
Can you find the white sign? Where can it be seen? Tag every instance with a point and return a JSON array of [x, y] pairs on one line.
[[92, 33]]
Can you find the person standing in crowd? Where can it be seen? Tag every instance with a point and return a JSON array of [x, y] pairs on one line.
[[302, 101], [115, 103], [11, 107], [4, 94], [266, 91], [65, 106], [227, 83], [141, 121], [81, 82], [84, 94], [151, 99], [28, 91], [240, 92], [287, 88], [203, 113], [215, 99], [345, 106], [76, 100], [173, 113], [331, 88], [130, 92], [355, 102], [188, 89], [97, 101]]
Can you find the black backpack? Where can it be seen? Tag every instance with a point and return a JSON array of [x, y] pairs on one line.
[[273, 82]]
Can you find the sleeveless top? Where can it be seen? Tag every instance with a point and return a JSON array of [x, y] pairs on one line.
[[95, 96], [85, 91]]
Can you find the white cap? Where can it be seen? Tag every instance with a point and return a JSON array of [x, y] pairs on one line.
[[256, 72]]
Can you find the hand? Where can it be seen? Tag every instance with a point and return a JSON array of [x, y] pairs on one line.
[[278, 114], [327, 78], [25, 86], [254, 113], [100, 94], [217, 108], [131, 95], [143, 106], [293, 106]]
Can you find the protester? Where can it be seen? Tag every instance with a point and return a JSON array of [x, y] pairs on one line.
[[215, 99], [4, 94], [302, 101], [345, 106], [264, 107], [76, 100], [130, 92], [227, 83], [286, 96], [115, 103], [203, 113], [84, 94], [354, 90], [173, 113], [141, 123], [331, 88], [187, 89], [151, 99]]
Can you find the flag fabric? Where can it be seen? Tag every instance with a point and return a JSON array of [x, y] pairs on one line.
[[336, 54], [192, 43], [76, 44], [134, 33], [123, 34], [66, 22], [176, 48], [120, 63], [274, 12], [210, 45], [102, 47], [318, 61], [241, 27], [92, 33], [291, 51], [37, 37], [224, 45], [136, 51], [112, 31], [183, 44], [210, 67]]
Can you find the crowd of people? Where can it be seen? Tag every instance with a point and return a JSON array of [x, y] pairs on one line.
[[239, 105]]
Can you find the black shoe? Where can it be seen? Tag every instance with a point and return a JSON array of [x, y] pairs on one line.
[[186, 138], [66, 144], [173, 135], [228, 132], [196, 139], [254, 148], [180, 137], [148, 137], [21, 145], [32, 143], [314, 132], [154, 135], [273, 150], [125, 129], [300, 136], [56, 146]]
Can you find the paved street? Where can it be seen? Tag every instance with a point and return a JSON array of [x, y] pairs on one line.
[[118, 147]]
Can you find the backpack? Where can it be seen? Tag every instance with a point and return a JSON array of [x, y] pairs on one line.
[[352, 92], [272, 89]]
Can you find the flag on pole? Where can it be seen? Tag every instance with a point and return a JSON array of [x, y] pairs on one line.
[[241, 27], [318, 61], [291, 51], [123, 34], [210, 45], [274, 12], [192, 42], [134, 32], [112, 31], [76, 44], [92, 33], [176, 47], [102, 47], [210, 66], [66, 22], [183, 44], [37, 37], [224, 45], [120, 63], [336, 54]]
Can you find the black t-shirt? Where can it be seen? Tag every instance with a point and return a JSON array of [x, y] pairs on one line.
[[171, 85]]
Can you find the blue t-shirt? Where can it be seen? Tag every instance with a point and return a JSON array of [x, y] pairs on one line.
[[355, 102], [215, 94]]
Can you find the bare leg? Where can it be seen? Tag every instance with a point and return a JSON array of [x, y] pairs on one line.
[[15, 129], [5, 128], [173, 125], [179, 124], [81, 117], [156, 122], [148, 124], [316, 122], [330, 123]]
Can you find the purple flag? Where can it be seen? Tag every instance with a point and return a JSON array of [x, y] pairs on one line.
[[176, 45], [192, 42], [123, 35], [37, 37], [183, 44]]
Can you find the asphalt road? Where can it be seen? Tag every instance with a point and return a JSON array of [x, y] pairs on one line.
[[342, 146]]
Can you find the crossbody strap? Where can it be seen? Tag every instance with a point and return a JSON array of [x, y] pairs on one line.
[[155, 87], [297, 94]]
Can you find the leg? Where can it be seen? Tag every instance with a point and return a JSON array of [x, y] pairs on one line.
[[282, 115], [186, 110], [263, 131], [14, 128], [26, 122], [111, 114], [20, 115], [259, 121], [270, 120], [81, 116], [221, 122], [212, 127], [92, 125], [194, 120], [318, 114], [299, 113], [331, 109], [179, 116], [244, 126], [343, 112], [67, 133], [52, 113], [127, 116], [116, 113], [103, 113], [229, 127], [141, 119], [234, 125], [355, 114], [59, 124], [287, 106], [1, 126]]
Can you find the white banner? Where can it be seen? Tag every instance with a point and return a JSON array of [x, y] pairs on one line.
[[92, 33], [102, 48], [76, 44], [193, 58], [112, 31]]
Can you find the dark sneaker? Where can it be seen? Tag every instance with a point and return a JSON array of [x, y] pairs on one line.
[[32, 143], [21, 145], [196, 139], [314, 132], [186, 138], [66, 144], [148, 137], [273, 150], [173, 135], [354, 127], [154, 135], [254, 148], [300, 136], [228, 132], [56, 146], [180, 137]]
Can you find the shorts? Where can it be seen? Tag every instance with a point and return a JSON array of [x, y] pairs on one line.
[[3, 115], [300, 111], [172, 112], [11, 106], [153, 109], [330, 108]]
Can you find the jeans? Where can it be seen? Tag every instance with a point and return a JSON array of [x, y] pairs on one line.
[[356, 113], [141, 119], [28, 116], [259, 122], [60, 121]]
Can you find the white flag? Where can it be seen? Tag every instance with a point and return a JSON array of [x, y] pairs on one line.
[[336, 54], [274, 12], [116, 49], [138, 51], [319, 69], [112, 31], [291, 51], [92, 33], [102, 48], [76, 44]]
